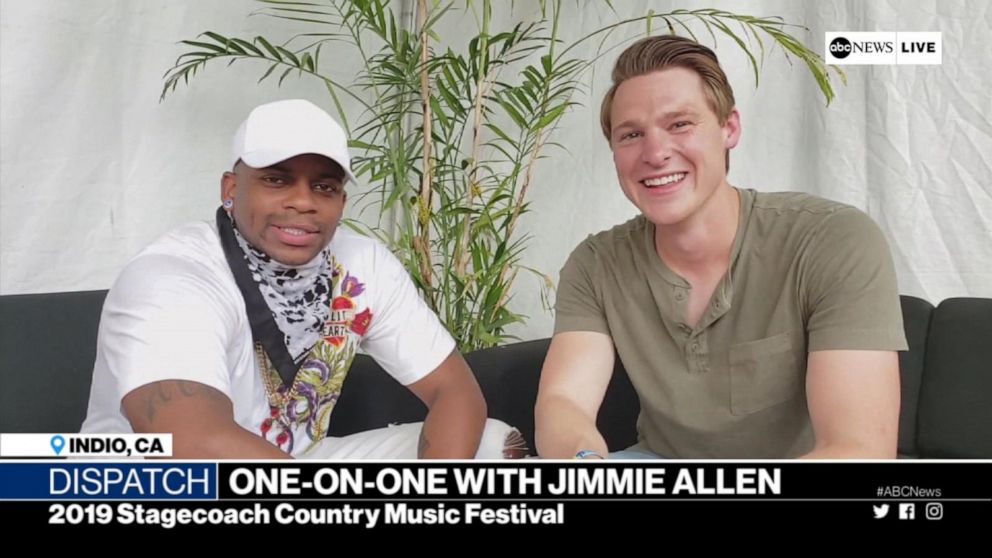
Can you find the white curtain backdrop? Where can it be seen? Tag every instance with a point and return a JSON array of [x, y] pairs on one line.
[[93, 167]]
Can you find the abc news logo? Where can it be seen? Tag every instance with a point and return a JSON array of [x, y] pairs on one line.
[[883, 48], [842, 48]]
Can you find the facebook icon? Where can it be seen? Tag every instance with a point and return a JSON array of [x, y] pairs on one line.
[[907, 511]]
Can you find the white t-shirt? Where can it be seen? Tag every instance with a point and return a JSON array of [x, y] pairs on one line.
[[175, 313]]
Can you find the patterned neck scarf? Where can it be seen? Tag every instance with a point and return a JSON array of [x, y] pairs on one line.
[[298, 296]]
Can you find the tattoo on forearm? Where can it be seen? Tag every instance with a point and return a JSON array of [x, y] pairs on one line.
[[165, 392], [423, 444]]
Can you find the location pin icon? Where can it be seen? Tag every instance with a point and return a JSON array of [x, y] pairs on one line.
[[58, 442]]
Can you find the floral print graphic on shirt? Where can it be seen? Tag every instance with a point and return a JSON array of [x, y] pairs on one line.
[[301, 413]]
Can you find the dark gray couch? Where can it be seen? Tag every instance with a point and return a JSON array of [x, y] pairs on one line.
[[48, 345]]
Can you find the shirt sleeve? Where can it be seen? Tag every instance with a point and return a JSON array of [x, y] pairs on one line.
[[852, 296], [578, 304], [405, 337], [164, 319]]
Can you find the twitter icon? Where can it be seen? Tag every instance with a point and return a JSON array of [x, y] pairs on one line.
[[881, 511]]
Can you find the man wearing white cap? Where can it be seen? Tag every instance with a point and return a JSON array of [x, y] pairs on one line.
[[236, 337]]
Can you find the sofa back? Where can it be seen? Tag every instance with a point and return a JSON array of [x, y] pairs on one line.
[[47, 350], [954, 414]]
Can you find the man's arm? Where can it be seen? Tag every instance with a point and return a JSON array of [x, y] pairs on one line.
[[853, 404], [574, 379], [200, 419], [457, 411]]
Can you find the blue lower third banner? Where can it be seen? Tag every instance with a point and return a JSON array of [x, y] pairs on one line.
[[576, 494], [82, 480]]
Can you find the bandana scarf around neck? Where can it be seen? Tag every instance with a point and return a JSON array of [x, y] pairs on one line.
[[298, 297]]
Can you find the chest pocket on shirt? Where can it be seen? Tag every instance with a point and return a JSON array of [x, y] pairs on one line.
[[766, 372]]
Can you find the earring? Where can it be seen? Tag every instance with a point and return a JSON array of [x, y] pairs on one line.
[[228, 203]]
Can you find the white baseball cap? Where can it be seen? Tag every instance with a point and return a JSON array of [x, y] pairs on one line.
[[277, 131]]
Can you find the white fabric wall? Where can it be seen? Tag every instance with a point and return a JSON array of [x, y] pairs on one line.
[[93, 167]]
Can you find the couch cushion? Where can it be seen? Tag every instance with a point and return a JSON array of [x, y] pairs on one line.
[[47, 350], [955, 411], [916, 314], [509, 377]]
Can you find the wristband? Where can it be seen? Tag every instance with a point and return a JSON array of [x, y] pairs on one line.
[[586, 454]]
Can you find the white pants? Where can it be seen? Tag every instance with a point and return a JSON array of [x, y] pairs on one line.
[[400, 441]]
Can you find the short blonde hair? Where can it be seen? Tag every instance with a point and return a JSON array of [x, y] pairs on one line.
[[653, 54]]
